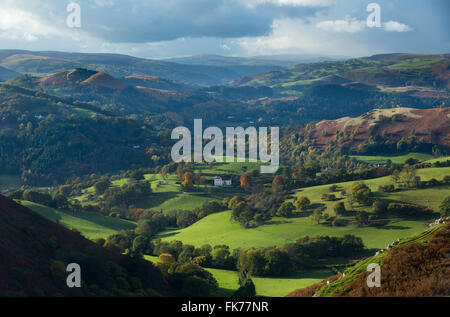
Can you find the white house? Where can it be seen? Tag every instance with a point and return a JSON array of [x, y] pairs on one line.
[[219, 182]]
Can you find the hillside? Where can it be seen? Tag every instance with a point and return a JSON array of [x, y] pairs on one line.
[[156, 82], [45, 138], [87, 86], [416, 75], [415, 267], [35, 252], [219, 228], [6, 74], [430, 125]]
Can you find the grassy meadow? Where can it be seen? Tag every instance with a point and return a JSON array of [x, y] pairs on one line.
[[219, 229], [394, 159], [89, 225], [270, 287]]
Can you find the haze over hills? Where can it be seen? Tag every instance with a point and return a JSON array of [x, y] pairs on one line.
[[278, 61], [421, 75], [123, 65]]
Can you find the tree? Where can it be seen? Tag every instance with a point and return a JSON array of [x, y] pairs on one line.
[[188, 179], [302, 203], [246, 290], [408, 176], [137, 175], [286, 210], [277, 184], [339, 209], [445, 207], [221, 257], [361, 193], [380, 206], [362, 218], [317, 215], [233, 201], [101, 186], [245, 181]]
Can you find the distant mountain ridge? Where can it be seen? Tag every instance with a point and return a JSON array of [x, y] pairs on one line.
[[122, 65], [407, 73]]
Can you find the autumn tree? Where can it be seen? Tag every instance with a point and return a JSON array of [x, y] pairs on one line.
[[361, 194], [277, 184], [245, 181], [188, 179]]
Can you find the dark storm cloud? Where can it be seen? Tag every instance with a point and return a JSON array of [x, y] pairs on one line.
[[153, 21]]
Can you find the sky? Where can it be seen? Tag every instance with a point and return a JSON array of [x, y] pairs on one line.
[[174, 28]]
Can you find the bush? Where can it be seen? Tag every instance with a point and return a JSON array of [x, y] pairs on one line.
[[328, 197], [407, 209], [339, 209], [380, 206], [386, 188], [302, 203], [286, 210], [445, 207]]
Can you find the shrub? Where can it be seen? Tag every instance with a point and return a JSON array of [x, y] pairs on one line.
[[302, 203], [386, 188], [445, 207], [286, 210], [339, 209]]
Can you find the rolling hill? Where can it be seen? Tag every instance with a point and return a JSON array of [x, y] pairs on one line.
[[415, 75], [122, 65], [6, 74], [415, 267], [45, 138], [219, 228], [431, 125], [35, 252]]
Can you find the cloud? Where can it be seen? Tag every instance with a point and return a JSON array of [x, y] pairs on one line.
[[350, 25], [393, 26], [19, 24], [297, 36], [294, 3], [248, 27]]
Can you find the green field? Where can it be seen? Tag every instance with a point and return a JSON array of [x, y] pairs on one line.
[[439, 159], [167, 194], [219, 229], [272, 287], [419, 196], [89, 225], [266, 286], [394, 159]]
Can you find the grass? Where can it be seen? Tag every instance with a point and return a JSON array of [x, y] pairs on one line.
[[439, 159], [352, 272], [265, 286], [219, 229], [167, 194], [413, 196], [395, 159], [89, 225]]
